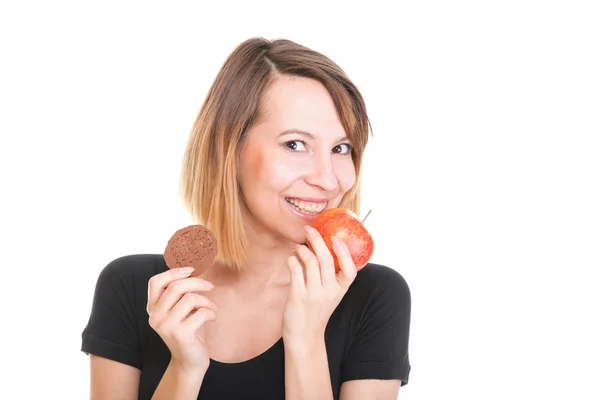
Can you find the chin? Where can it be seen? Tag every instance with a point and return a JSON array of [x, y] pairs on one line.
[[294, 235]]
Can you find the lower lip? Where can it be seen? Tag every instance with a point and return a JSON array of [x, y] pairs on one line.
[[307, 217]]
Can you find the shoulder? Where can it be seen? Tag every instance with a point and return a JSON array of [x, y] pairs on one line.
[[377, 279], [118, 320], [377, 309], [133, 268], [377, 289]]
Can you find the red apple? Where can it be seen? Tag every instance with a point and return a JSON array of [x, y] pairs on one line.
[[345, 225]]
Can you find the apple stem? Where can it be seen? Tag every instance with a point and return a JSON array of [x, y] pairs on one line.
[[363, 221]]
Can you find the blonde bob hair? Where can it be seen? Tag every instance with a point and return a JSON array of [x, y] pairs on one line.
[[209, 184]]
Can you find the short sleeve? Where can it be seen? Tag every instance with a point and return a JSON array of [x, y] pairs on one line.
[[379, 348], [112, 330]]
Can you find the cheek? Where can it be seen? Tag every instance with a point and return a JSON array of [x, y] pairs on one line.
[[251, 172], [346, 175], [248, 168], [282, 174], [264, 171]]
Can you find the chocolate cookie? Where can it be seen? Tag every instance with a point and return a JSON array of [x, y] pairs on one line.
[[192, 246]]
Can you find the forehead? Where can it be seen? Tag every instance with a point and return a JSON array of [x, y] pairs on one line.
[[303, 104]]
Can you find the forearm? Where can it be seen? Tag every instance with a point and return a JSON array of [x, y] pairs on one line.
[[179, 384], [307, 371]]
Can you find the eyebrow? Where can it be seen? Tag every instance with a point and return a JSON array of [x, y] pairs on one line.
[[307, 134]]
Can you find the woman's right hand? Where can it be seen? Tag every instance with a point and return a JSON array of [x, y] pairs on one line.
[[178, 312]]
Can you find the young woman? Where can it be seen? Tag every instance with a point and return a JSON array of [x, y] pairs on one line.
[[279, 139]]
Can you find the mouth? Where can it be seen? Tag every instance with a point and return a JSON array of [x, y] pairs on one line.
[[306, 208]]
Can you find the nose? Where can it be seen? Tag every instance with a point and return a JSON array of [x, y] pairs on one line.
[[322, 174]]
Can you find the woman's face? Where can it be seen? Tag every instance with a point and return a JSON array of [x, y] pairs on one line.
[[296, 162]]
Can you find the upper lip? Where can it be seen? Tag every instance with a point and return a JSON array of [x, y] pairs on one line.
[[308, 199]]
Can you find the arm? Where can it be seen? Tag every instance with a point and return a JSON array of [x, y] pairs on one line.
[[111, 335], [366, 389], [307, 377], [314, 295], [112, 380], [307, 372], [378, 361], [179, 383]]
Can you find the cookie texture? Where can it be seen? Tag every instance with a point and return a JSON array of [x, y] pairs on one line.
[[192, 246]]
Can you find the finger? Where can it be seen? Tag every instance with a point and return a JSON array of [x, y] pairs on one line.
[[296, 275], [177, 289], [311, 266], [347, 268], [188, 304], [326, 263], [198, 318], [158, 283]]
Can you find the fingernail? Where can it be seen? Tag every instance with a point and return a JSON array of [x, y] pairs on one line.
[[209, 285], [215, 306], [186, 270], [309, 229], [337, 243]]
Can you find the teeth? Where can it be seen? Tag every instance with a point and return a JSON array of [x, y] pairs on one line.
[[306, 206]]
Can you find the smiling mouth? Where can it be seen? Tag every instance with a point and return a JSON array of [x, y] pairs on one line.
[[306, 207]]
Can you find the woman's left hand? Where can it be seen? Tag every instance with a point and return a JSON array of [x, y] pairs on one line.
[[315, 289]]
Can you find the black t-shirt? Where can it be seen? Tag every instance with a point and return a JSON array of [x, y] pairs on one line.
[[366, 337]]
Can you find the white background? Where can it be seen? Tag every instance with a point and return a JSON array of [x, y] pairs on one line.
[[483, 174]]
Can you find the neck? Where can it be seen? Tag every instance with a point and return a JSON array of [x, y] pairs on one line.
[[267, 260], [266, 266]]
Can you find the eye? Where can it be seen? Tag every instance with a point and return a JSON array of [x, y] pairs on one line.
[[295, 145], [342, 149]]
